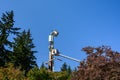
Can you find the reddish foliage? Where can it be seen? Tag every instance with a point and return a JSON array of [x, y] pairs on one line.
[[101, 64]]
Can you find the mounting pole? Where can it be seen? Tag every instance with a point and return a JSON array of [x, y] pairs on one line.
[[51, 47]]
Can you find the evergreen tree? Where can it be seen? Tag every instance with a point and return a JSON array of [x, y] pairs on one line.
[[69, 71], [64, 67], [6, 29], [23, 54], [43, 66]]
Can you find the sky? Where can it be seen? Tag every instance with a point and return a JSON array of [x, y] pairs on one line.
[[80, 23]]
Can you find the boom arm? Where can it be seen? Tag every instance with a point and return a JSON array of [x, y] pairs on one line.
[[68, 57], [55, 52]]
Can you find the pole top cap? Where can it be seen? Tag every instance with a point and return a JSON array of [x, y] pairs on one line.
[[55, 33]]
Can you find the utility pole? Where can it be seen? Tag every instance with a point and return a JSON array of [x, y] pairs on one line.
[[51, 47], [54, 52]]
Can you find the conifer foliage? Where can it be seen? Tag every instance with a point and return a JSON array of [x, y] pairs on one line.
[[23, 54], [15, 46], [6, 30]]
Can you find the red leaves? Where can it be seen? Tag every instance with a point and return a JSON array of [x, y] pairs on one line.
[[101, 64]]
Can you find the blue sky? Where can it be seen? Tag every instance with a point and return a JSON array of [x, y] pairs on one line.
[[80, 23]]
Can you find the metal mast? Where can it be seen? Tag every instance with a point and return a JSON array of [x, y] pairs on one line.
[[51, 47], [54, 52]]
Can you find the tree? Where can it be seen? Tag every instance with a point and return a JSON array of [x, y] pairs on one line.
[[62, 75], [6, 29], [66, 70], [44, 74], [43, 66], [101, 64], [10, 73], [34, 74], [64, 67], [23, 54], [40, 74], [69, 71]]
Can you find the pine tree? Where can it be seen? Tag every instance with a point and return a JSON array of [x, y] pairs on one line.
[[69, 71], [23, 54], [64, 67], [6, 29], [43, 66]]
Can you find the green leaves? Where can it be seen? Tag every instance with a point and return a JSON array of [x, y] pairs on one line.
[[44, 74], [10, 73]]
